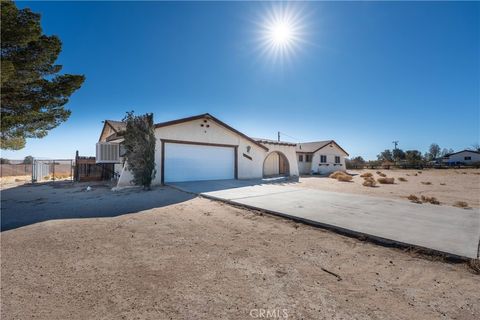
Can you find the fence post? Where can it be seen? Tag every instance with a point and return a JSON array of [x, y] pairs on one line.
[[76, 177]]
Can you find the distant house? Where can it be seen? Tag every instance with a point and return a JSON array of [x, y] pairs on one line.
[[204, 148], [466, 157]]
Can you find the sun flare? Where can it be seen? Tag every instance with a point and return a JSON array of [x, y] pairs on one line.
[[281, 33]]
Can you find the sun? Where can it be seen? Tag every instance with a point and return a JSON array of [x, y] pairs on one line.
[[281, 32]]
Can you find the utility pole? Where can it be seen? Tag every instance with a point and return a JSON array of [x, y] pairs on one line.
[[395, 143], [278, 136]]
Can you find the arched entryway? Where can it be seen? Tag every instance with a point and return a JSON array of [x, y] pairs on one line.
[[276, 164]]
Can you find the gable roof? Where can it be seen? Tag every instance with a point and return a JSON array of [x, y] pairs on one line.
[[451, 154], [116, 126], [210, 117], [312, 147]]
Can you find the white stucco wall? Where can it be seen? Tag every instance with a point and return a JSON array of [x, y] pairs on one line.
[[290, 154], [329, 166], [192, 131], [216, 134]]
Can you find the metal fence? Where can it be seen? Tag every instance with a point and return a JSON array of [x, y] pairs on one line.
[[52, 170]]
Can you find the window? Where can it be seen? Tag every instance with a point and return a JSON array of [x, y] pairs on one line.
[[308, 158], [468, 158], [300, 158], [323, 159], [337, 159]]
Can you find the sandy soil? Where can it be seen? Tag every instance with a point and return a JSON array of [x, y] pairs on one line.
[[448, 186], [200, 259]]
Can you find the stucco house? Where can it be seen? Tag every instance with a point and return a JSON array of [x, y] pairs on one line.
[[204, 148], [466, 157]]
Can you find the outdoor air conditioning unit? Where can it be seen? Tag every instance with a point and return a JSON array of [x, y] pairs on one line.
[[108, 153]]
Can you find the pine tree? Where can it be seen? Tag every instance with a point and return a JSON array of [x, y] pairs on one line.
[[33, 94]]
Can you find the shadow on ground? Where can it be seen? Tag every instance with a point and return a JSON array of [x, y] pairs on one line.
[[218, 185], [31, 203]]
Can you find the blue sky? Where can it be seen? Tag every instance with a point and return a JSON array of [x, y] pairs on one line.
[[364, 74]]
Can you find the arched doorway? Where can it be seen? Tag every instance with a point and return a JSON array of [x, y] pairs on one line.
[[276, 164]]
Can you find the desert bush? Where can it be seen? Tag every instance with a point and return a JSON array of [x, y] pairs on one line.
[[382, 174], [336, 174], [369, 182], [414, 198], [426, 182], [378, 172], [344, 178], [419, 172], [431, 200], [474, 264], [443, 184], [366, 175], [402, 179], [385, 180], [416, 174], [461, 204]]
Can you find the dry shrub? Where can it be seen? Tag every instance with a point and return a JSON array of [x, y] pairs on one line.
[[443, 184], [344, 178], [415, 174], [366, 175], [378, 172], [461, 204], [407, 175], [474, 264], [419, 172], [385, 180], [336, 174], [414, 198], [426, 182], [369, 182], [431, 200], [382, 174], [402, 179]]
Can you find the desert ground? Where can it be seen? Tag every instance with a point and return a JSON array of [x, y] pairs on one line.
[[447, 185], [171, 255]]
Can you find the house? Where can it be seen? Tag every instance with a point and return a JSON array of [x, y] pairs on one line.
[[204, 148], [465, 157], [320, 157]]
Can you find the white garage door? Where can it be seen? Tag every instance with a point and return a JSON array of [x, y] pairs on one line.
[[190, 162]]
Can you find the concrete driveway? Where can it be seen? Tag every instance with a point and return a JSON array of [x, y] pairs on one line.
[[441, 228]]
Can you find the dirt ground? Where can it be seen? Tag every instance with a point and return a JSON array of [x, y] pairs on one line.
[[200, 259], [448, 186]]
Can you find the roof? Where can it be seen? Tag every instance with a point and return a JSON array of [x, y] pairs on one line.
[[270, 141], [117, 126], [312, 147], [451, 154], [210, 117]]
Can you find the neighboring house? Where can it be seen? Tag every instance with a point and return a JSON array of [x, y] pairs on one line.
[[204, 148], [320, 157], [462, 157]]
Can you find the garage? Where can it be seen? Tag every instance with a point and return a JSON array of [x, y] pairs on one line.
[[195, 162]]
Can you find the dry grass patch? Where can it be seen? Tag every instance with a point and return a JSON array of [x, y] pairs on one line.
[[474, 265], [385, 180], [402, 179], [366, 175], [414, 198], [369, 182], [426, 183], [461, 204], [431, 200], [341, 176]]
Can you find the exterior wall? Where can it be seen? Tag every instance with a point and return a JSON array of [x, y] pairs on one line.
[[271, 166], [303, 166], [216, 134], [460, 157], [106, 133], [329, 166], [192, 131], [290, 154]]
